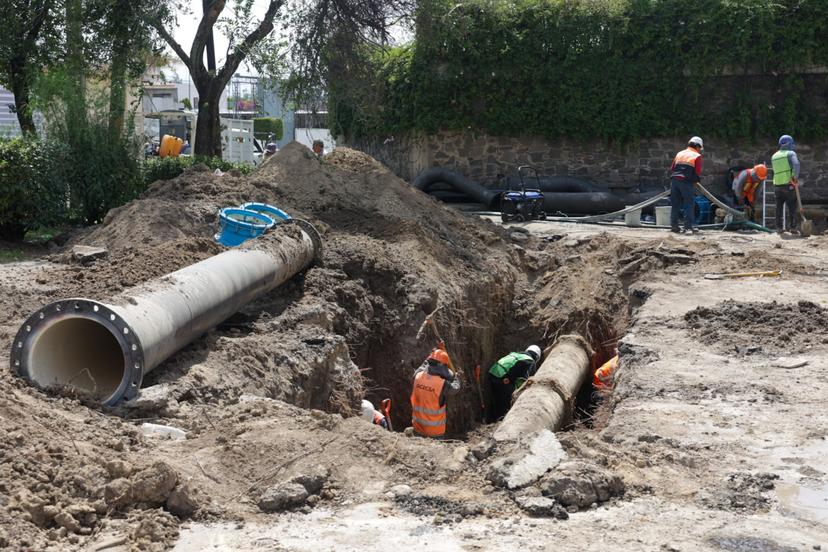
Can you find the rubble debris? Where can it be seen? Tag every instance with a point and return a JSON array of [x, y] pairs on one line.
[[313, 479], [539, 506], [283, 496], [526, 460], [581, 485], [88, 253]]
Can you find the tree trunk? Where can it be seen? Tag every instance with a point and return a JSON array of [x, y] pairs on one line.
[[20, 89], [76, 97], [117, 89], [208, 124]]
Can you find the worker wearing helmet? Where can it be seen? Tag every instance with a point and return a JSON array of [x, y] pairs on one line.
[[685, 172], [433, 382], [746, 183], [509, 374], [603, 377], [370, 414], [785, 179]]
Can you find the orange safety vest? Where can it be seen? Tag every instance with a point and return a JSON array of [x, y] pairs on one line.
[[749, 189], [603, 375], [684, 165], [427, 416]]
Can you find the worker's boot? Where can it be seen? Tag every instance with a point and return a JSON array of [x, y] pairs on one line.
[[695, 231], [676, 230]]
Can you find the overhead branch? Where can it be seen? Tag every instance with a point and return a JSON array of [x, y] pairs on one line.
[[240, 52], [37, 23], [179, 51]]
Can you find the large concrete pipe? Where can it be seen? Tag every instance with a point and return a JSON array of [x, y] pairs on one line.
[[104, 350], [546, 402]]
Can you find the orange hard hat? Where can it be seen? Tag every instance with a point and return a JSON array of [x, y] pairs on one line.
[[440, 356], [761, 171]]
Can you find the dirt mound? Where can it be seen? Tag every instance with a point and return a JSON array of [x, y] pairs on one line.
[[786, 328], [343, 330]]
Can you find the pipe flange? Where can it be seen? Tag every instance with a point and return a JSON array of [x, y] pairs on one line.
[[312, 233], [126, 337]]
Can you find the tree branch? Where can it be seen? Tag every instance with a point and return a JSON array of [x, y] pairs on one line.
[[205, 26], [240, 52], [37, 23], [179, 51]]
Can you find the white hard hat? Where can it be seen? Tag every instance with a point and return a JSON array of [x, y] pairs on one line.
[[534, 351], [696, 141], [367, 410]]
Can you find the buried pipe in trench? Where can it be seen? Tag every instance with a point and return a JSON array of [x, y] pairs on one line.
[[546, 400], [105, 349]]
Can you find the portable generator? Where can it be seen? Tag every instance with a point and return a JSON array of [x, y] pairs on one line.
[[525, 204]]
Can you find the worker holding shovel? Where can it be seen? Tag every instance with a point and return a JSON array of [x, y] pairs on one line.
[[785, 182]]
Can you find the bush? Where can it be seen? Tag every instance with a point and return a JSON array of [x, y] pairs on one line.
[[613, 69], [265, 126], [32, 190], [170, 167], [101, 173]]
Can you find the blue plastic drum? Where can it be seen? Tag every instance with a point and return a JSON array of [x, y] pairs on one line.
[[239, 225], [273, 212]]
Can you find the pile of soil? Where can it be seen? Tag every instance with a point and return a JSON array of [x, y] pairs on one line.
[[343, 330], [785, 328]]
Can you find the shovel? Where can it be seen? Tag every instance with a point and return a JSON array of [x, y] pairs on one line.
[[807, 226]]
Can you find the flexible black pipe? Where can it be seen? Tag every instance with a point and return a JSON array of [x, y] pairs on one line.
[[451, 197], [460, 183], [591, 203], [557, 184]]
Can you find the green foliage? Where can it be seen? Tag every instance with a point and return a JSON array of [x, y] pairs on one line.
[[263, 127], [170, 167], [32, 190], [617, 70], [11, 255]]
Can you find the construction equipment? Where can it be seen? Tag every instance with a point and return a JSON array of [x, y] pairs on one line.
[[807, 226], [523, 205]]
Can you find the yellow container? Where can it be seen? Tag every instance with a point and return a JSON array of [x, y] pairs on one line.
[[170, 146]]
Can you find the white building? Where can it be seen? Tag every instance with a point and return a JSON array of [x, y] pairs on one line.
[[8, 118]]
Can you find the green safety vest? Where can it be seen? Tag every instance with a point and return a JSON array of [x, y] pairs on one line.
[[503, 366], [782, 170]]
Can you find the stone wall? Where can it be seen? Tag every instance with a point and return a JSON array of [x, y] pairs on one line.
[[645, 164]]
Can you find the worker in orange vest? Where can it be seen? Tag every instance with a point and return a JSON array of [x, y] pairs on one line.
[[370, 414], [433, 382], [685, 172], [602, 380], [746, 183]]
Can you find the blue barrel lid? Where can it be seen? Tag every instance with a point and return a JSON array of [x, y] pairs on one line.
[[270, 210]]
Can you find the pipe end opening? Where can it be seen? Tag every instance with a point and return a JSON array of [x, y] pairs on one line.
[[80, 347]]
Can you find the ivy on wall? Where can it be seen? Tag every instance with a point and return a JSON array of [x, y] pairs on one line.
[[612, 69]]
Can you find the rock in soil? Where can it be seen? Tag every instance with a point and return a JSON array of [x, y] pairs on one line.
[[580, 485], [523, 462], [313, 479], [181, 501], [153, 485], [283, 497], [541, 507]]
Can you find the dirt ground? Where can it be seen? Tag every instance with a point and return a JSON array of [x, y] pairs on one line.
[[709, 441]]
